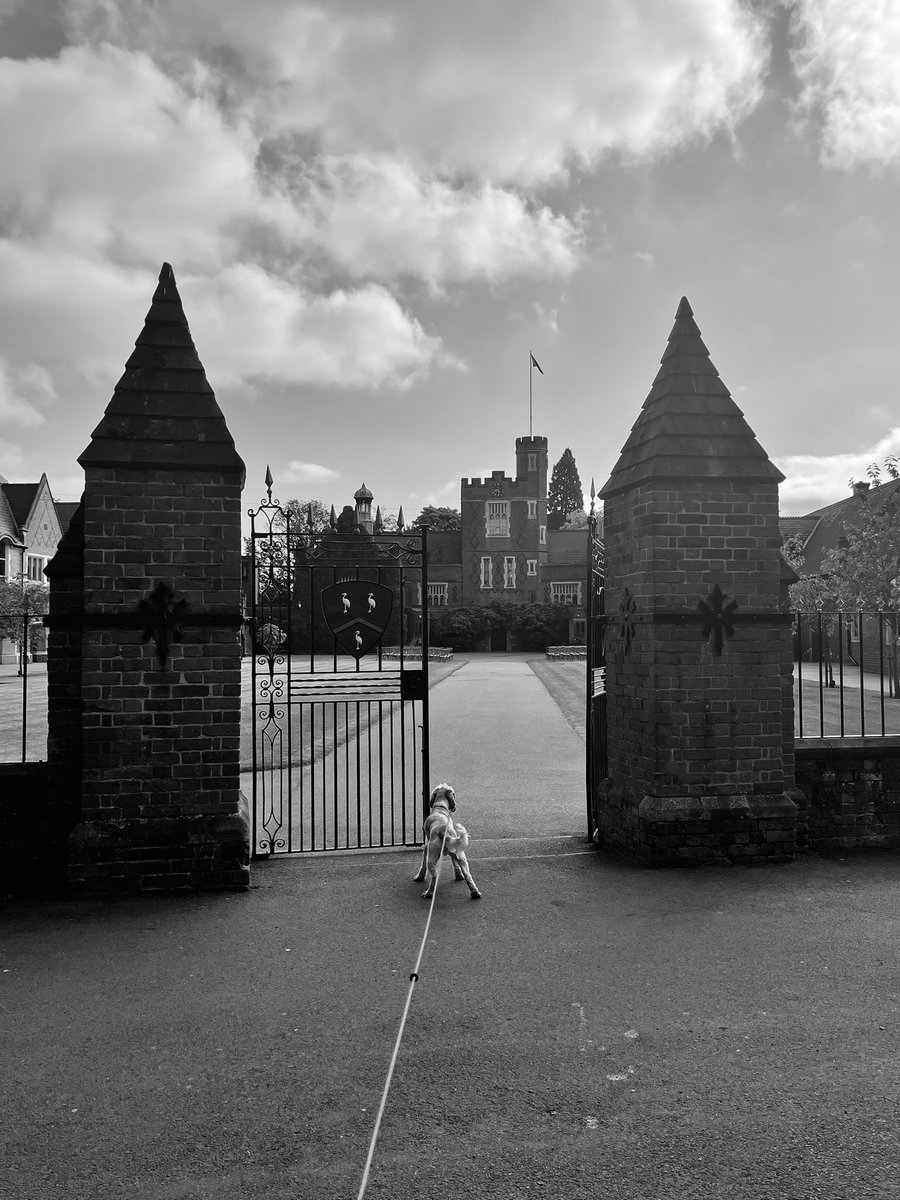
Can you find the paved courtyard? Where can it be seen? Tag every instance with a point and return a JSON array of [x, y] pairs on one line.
[[587, 1029]]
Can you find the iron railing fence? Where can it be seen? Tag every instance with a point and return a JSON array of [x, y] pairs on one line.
[[846, 680], [19, 629]]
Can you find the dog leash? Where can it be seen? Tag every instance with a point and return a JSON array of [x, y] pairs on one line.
[[413, 980]]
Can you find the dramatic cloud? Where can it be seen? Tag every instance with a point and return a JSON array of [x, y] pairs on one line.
[[813, 481], [847, 59], [496, 91], [250, 325], [376, 217]]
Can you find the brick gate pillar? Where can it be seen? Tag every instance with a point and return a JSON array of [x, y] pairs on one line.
[[160, 664], [698, 648]]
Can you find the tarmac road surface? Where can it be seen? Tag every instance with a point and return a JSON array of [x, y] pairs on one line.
[[588, 1030]]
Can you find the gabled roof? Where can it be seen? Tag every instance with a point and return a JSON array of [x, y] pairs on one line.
[[800, 527], [689, 426], [9, 527], [21, 498], [163, 413], [831, 523]]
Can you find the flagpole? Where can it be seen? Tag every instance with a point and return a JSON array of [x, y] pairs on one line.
[[530, 400]]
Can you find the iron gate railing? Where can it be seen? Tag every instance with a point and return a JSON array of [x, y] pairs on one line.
[[846, 673], [340, 753], [596, 768]]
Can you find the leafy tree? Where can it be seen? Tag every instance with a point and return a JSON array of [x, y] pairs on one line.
[[463, 628], [535, 626], [576, 520], [863, 571], [538, 626], [18, 600], [565, 495], [439, 519]]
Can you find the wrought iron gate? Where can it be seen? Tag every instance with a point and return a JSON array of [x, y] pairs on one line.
[[339, 689], [596, 761]]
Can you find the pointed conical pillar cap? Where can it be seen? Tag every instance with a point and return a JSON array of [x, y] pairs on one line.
[[163, 413], [689, 427]]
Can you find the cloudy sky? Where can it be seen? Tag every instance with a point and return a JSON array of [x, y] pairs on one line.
[[376, 211]]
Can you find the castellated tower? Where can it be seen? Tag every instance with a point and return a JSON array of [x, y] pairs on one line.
[[504, 529]]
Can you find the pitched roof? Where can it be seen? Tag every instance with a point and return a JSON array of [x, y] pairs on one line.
[[21, 498], [832, 522], [800, 527], [689, 426], [65, 510], [9, 527], [567, 547], [163, 412]]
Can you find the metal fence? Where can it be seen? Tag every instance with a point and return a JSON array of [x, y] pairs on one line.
[[846, 674], [18, 707]]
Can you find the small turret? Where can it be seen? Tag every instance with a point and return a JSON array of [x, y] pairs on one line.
[[363, 498]]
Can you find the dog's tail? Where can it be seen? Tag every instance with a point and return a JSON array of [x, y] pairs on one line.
[[460, 841]]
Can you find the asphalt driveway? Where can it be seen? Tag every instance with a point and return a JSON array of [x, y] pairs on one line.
[[588, 1029]]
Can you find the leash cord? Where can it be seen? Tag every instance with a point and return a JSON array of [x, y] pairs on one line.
[[413, 979]]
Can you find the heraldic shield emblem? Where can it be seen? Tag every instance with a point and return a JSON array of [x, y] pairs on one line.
[[357, 613]]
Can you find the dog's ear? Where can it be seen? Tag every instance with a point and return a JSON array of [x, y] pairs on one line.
[[451, 796]]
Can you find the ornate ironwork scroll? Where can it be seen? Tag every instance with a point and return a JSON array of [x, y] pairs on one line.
[[340, 693]]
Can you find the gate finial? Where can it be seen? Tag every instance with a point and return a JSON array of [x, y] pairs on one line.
[[379, 523], [332, 521], [400, 521], [309, 517], [269, 482]]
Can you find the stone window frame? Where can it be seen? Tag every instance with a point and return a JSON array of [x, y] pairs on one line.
[[532, 510], [487, 572], [34, 568], [496, 522], [509, 571], [572, 589], [531, 566]]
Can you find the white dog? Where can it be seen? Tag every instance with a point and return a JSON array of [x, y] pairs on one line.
[[437, 823]]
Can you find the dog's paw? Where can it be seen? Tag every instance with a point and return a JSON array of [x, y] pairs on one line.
[[427, 895], [418, 878], [476, 895]]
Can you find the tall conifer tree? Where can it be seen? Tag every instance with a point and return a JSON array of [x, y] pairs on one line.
[[565, 494]]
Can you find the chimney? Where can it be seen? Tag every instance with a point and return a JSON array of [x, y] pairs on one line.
[[860, 488]]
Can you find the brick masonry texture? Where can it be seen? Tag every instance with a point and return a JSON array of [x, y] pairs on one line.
[[699, 746], [850, 793], [157, 789], [160, 743]]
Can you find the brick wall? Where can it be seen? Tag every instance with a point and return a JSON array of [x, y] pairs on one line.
[[145, 709], [697, 646], [850, 789]]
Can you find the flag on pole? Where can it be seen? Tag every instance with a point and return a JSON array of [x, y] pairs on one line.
[[535, 363]]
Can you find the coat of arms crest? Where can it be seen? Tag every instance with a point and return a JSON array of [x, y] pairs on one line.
[[357, 613]]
